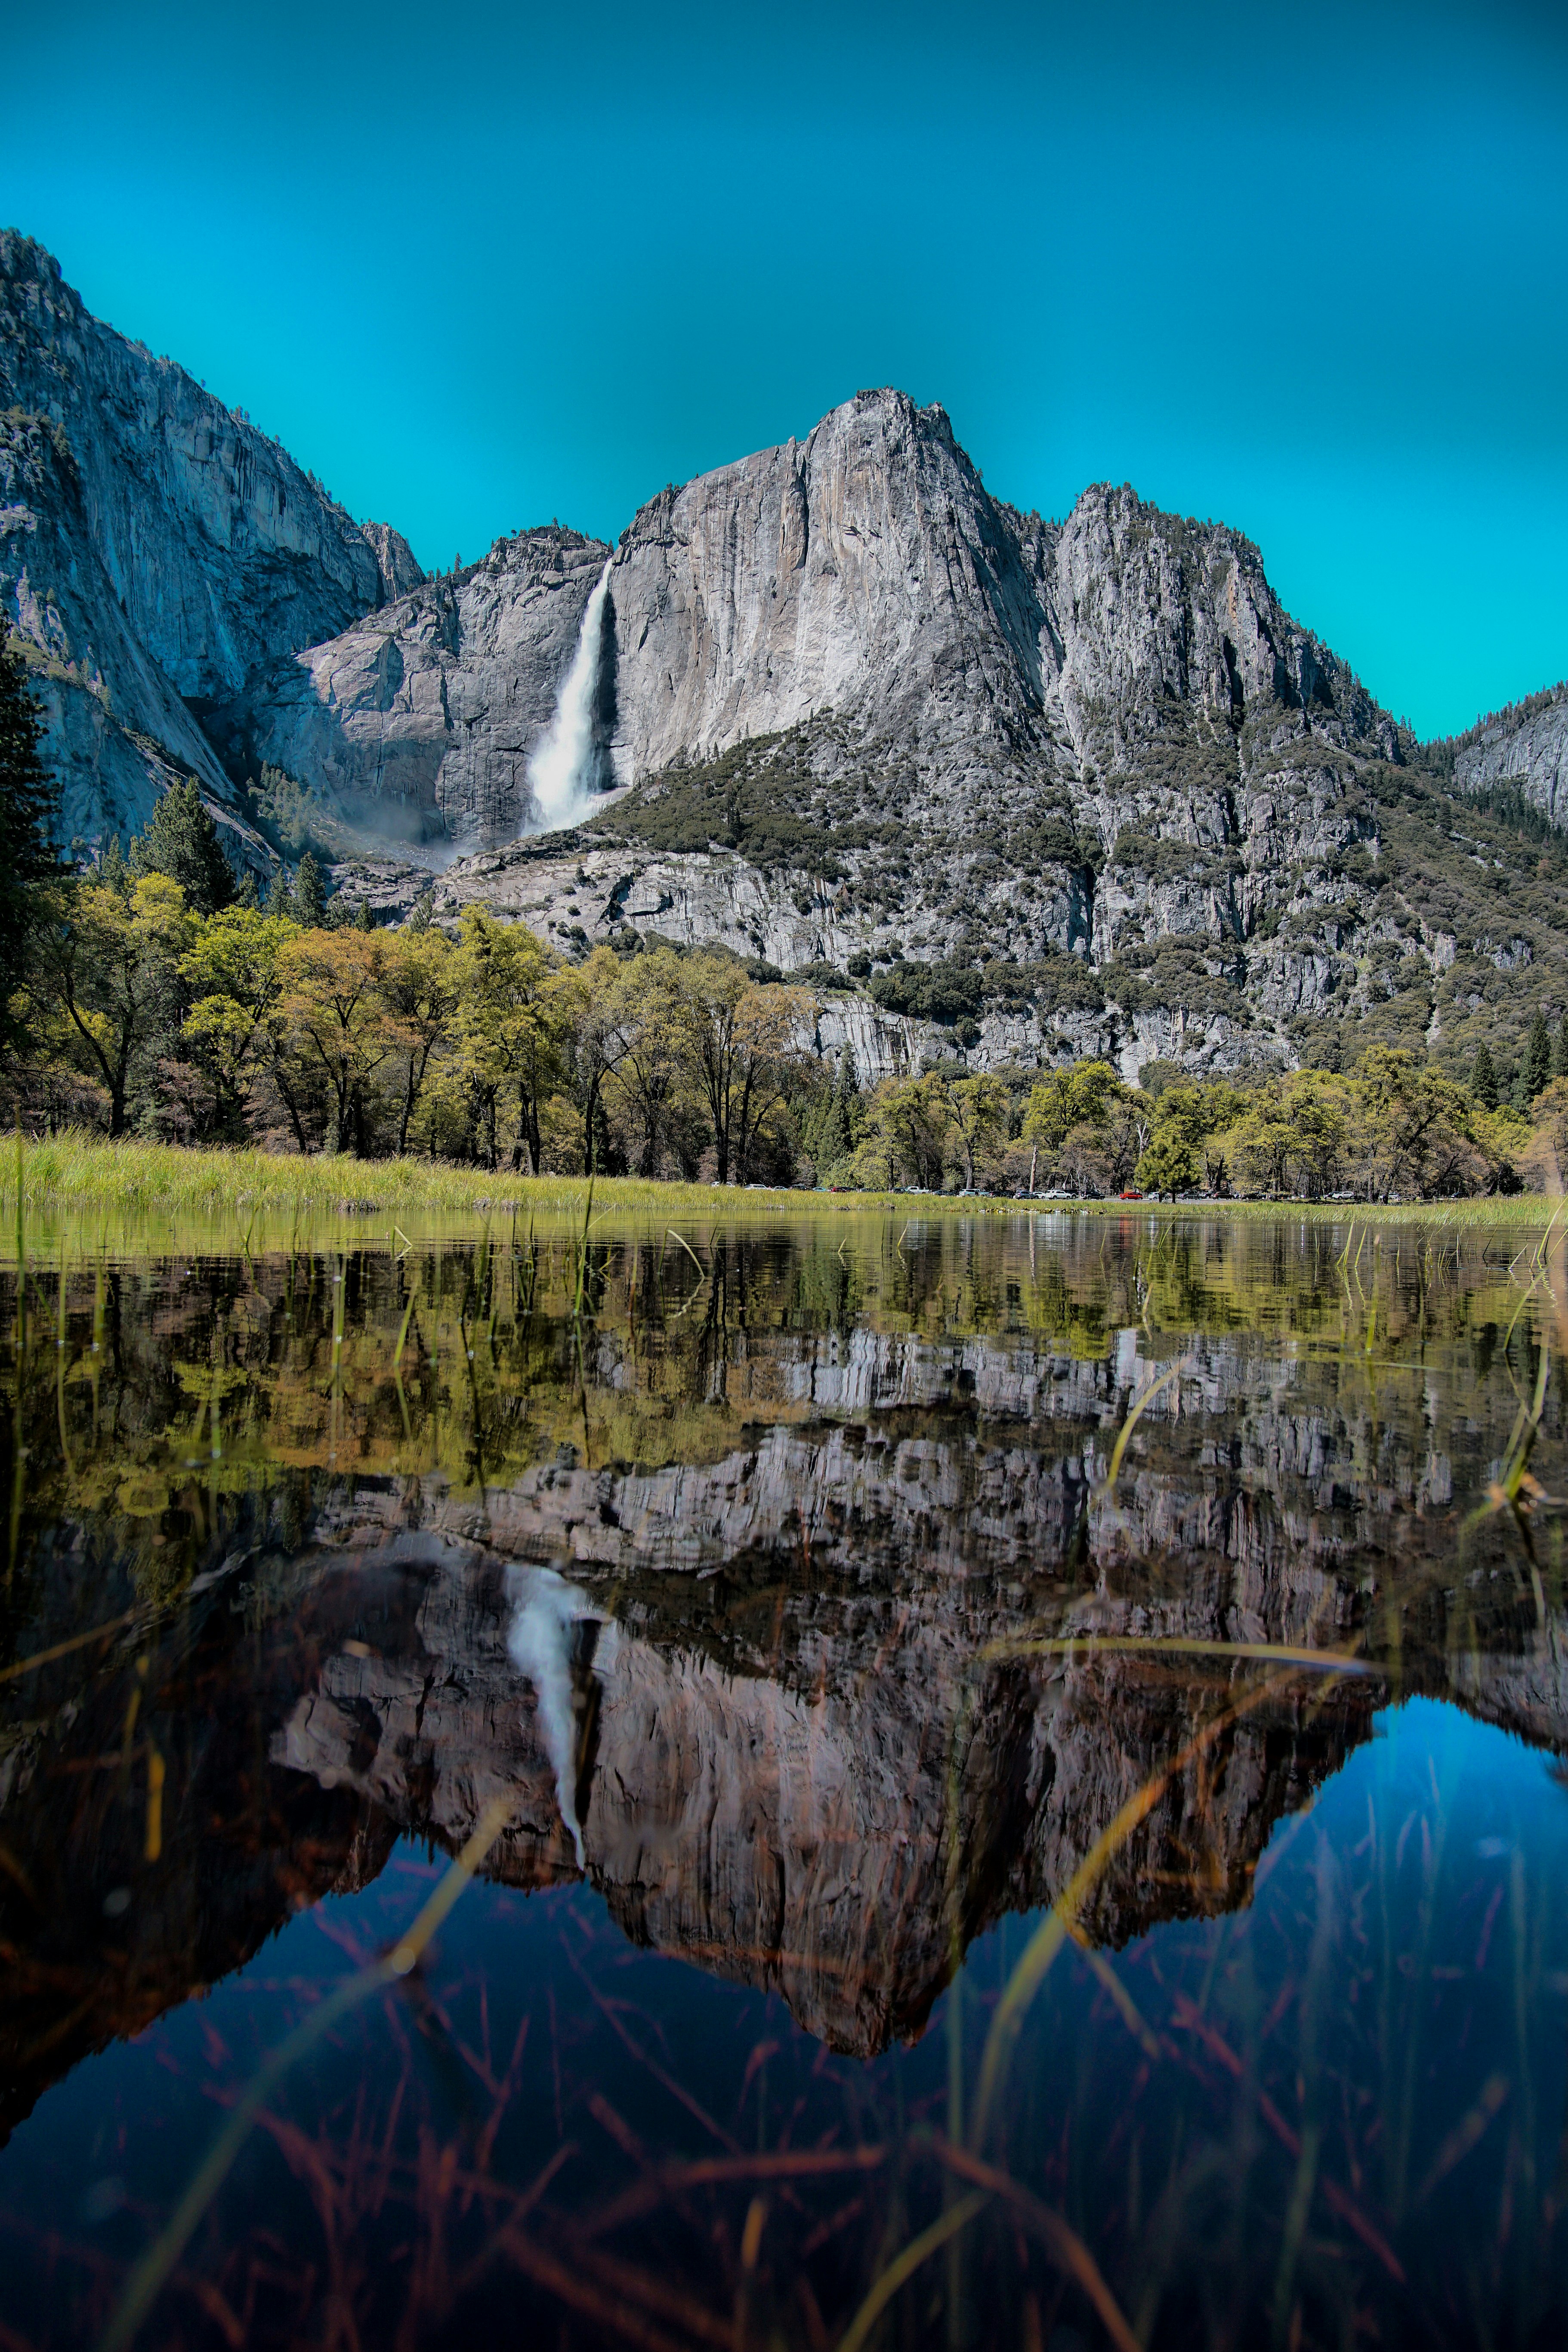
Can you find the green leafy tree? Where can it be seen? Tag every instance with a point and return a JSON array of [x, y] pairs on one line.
[[1411, 1128], [906, 1134], [29, 804], [1170, 1164], [659, 1116], [339, 1031], [509, 1029], [1077, 1096], [181, 842], [830, 1138], [592, 998], [1186, 1121], [419, 990], [740, 1041], [1560, 1050], [232, 969], [114, 959], [980, 1109]]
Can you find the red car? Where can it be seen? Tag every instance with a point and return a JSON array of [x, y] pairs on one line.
[[1132, 1196]]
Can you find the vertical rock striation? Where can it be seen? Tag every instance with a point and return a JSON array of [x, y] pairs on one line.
[[417, 724], [855, 706], [154, 546]]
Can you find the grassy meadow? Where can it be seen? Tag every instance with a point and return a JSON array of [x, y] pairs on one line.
[[78, 1191]]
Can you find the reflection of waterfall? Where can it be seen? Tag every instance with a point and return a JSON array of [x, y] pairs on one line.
[[540, 1643], [560, 770]]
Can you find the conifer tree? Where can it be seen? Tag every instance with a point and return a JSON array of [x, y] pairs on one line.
[[310, 895], [181, 841], [1484, 1085], [1537, 1057], [363, 919], [279, 893], [29, 801], [1560, 1058]]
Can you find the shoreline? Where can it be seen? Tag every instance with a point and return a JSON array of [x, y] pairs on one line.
[[88, 1193]]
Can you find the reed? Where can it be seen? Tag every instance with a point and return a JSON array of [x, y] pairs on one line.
[[79, 1191]]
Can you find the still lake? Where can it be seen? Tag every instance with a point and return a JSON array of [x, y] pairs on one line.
[[1009, 1772]]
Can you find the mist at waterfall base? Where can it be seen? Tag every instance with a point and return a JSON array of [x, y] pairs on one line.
[[561, 770]]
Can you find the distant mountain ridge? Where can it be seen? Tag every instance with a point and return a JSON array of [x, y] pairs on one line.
[[863, 716]]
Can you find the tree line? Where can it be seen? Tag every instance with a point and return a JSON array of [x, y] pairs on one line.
[[149, 993]]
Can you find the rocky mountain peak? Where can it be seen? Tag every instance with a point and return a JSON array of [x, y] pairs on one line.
[[860, 712], [864, 569], [395, 561]]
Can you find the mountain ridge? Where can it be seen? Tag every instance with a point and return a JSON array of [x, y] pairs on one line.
[[858, 712]]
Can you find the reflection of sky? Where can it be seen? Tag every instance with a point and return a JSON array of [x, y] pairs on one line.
[[1496, 1819], [1308, 279]]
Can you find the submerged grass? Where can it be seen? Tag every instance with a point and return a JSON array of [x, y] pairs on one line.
[[79, 1191]]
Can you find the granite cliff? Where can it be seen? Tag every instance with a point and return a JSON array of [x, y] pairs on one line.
[[155, 548], [415, 725], [1523, 749], [859, 710], [856, 711]]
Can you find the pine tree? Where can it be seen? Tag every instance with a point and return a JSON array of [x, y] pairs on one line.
[[363, 919], [1559, 1058], [310, 895], [1537, 1057], [110, 867], [1484, 1085], [836, 1135], [29, 802], [280, 892], [181, 841]]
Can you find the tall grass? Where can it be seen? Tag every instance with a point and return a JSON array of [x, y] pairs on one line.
[[78, 1190]]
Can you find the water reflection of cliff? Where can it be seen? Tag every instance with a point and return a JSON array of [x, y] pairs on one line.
[[769, 1674]]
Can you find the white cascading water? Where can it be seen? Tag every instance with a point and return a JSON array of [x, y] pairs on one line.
[[559, 770], [539, 1642]]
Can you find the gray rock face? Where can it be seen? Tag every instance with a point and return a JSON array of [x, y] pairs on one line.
[[1526, 747], [1096, 741], [854, 705], [154, 548], [116, 729], [863, 570], [867, 571], [417, 724]]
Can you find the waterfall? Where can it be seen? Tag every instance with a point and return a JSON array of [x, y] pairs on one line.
[[561, 769], [539, 1642]]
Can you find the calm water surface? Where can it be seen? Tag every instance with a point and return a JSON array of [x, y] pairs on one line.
[[1012, 1772]]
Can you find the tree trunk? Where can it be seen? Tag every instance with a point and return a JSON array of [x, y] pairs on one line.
[[524, 1159]]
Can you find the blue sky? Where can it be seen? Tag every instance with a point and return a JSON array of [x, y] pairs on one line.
[[480, 267]]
